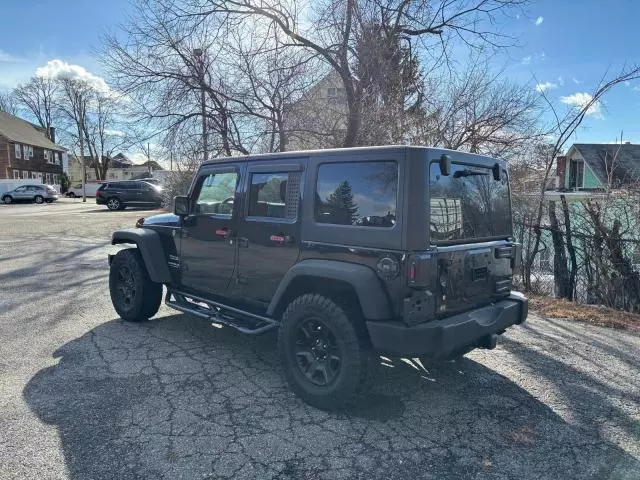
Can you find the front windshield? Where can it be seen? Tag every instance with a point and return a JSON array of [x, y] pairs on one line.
[[468, 204]]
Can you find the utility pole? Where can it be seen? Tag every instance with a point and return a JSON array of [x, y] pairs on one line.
[[199, 54], [84, 168]]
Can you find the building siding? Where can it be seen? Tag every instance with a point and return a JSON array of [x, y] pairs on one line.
[[4, 158], [27, 167]]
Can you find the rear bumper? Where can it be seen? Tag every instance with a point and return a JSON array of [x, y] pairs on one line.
[[439, 338], [101, 201]]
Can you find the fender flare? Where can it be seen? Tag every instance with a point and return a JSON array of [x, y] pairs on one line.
[[368, 287], [150, 247]]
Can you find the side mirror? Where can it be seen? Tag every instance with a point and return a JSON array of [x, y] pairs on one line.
[[181, 205], [496, 172], [445, 165]]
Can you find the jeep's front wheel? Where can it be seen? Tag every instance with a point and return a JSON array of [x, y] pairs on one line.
[[134, 296], [323, 357]]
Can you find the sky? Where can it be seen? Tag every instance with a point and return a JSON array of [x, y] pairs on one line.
[[564, 48]]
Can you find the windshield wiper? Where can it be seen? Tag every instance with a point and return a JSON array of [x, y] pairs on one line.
[[467, 173]]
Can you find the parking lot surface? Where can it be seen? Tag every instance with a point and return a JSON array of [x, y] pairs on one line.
[[84, 395]]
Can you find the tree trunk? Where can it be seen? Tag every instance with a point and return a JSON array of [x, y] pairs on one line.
[[561, 274], [573, 271]]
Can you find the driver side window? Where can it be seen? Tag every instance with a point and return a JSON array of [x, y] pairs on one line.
[[216, 195]]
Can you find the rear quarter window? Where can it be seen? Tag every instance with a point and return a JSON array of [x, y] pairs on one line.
[[362, 194]]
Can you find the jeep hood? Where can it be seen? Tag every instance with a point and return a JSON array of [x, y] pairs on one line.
[[162, 220]]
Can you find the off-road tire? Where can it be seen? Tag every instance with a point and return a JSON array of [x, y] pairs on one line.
[[144, 302], [38, 199], [114, 203], [355, 356], [7, 199]]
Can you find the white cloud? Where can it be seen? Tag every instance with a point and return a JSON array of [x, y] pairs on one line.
[[7, 57], [637, 88], [57, 69], [543, 87], [560, 81], [580, 100], [526, 60], [576, 81], [539, 21]]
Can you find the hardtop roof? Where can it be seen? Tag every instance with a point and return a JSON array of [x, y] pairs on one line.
[[336, 151]]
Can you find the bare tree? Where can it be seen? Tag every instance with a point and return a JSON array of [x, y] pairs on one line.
[[8, 103], [73, 102], [102, 131], [563, 129], [331, 30], [480, 112], [38, 97]]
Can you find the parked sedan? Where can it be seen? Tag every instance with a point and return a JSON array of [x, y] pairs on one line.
[[31, 193]]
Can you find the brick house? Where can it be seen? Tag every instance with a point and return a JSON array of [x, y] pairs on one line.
[[27, 153]]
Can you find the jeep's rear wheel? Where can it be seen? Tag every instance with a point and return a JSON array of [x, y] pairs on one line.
[[7, 199], [134, 296], [322, 355]]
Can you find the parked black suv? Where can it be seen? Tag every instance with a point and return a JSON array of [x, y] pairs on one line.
[[129, 193], [398, 250]]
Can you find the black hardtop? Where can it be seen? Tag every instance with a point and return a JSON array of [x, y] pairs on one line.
[[357, 153]]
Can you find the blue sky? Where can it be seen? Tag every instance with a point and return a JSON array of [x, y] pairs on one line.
[[566, 45]]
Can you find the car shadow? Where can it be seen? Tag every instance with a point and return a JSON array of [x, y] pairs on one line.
[[177, 398]]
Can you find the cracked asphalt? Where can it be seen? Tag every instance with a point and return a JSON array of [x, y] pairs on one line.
[[84, 395]]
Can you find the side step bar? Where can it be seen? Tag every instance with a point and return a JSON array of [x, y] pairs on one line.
[[215, 312]]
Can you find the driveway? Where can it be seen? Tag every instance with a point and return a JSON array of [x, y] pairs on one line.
[[84, 395]]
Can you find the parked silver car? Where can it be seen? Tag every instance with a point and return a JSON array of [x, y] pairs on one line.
[[31, 193]]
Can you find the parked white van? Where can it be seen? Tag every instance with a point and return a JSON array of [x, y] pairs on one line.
[[76, 190]]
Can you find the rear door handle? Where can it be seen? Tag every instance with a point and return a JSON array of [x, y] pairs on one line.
[[281, 239], [223, 232]]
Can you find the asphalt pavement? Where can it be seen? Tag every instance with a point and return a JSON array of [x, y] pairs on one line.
[[84, 395]]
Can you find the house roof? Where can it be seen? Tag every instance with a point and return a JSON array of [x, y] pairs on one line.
[[20, 131], [622, 161]]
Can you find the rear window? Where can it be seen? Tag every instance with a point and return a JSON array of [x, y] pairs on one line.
[[360, 194], [468, 204]]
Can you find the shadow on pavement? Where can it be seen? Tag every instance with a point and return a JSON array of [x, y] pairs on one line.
[[176, 398]]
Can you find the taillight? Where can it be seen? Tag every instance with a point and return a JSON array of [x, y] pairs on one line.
[[411, 273]]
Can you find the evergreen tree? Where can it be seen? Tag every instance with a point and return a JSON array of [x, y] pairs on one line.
[[340, 201]]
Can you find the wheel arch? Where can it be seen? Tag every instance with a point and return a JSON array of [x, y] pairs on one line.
[[337, 280], [149, 245]]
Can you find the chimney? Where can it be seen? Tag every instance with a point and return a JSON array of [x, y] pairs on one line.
[[52, 134], [561, 171]]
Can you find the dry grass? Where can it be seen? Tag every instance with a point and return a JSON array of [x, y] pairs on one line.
[[595, 315]]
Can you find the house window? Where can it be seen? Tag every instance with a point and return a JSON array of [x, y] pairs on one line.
[[16, 174], [47, 156], [34, 175], [58, 159], [18, 151], [25, 175], [28, 151], [576, 174]]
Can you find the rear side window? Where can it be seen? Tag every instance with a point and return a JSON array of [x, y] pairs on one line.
[[274, 195], [357, 193]]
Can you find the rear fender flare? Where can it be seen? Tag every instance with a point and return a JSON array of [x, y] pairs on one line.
[[372, 296], [150, 247]]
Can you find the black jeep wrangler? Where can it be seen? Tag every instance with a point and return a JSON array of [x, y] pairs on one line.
[[403, 251]]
